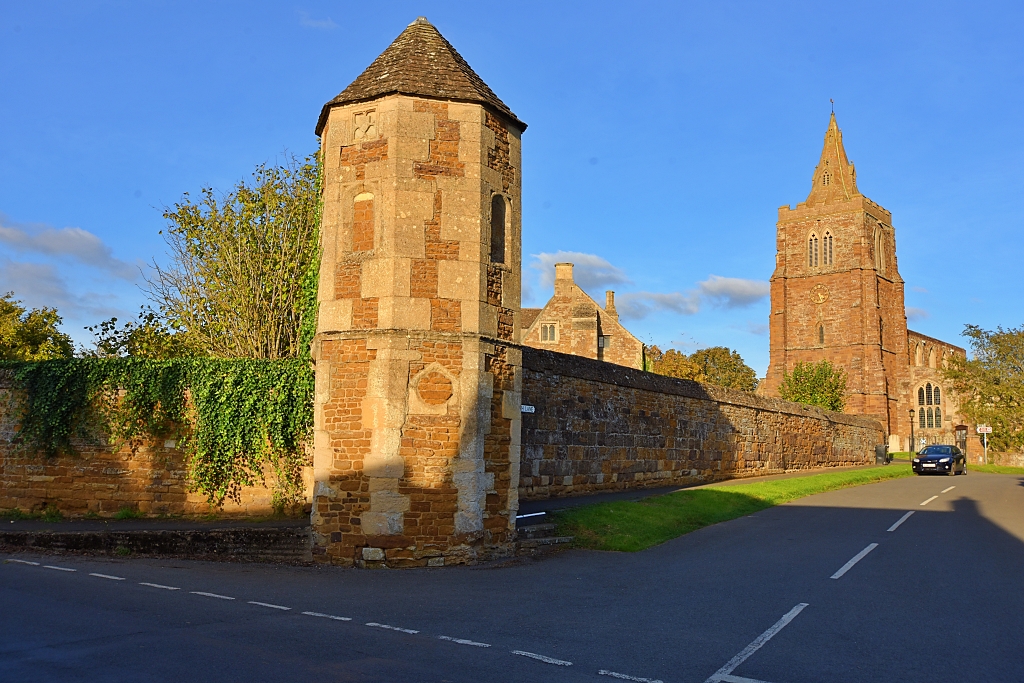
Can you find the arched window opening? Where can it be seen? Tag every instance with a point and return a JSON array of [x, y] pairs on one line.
[[938, 418], [935, 396], [917, 355], [931, 358], [920, 419], [821, 334], [930, 422], [497, 229], [812, 251], [920, 397], [826, 249], [880, 256], [928, 393]]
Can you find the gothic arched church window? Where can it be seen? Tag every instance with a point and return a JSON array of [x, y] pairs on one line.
[[826, 250], [920, 396], [935, 396], [920, 419], [812, 251], [928, 393], [930, 418], [821, 334]]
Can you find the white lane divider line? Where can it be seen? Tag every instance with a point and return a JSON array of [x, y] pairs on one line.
[[267, 604], [899, 521], [928, 501], [463, 641], [740, 679], [854, 560], [157, 585], [34, 564], [327, 616], [624, 677], [390, 628], [212, 595], [542, 658], [60, 569], [949, 489], [107, 576], [723, 674]]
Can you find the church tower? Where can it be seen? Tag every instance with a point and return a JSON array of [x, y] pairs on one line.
[[836, 292], [418, 379]]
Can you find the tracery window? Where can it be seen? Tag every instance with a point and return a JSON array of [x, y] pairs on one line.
[[935, 395], [549, 332], [920, 396], [812, 251], [826, 249], [928, 394], [930, 422], [938, 418], [920, 419]]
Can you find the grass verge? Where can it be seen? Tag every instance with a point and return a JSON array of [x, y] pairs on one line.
[[995, 469], [631, 526]]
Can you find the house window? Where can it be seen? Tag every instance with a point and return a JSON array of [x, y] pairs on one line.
[[549, 332], [604, 342], [497, 229], [826, 249]]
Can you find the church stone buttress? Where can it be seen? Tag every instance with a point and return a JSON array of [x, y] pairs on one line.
[[836, 292], [418, 379]]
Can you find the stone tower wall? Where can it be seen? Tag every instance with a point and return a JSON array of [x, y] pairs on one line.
[[417, 404]]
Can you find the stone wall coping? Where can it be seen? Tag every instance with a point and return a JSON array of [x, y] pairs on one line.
[[541, 360]]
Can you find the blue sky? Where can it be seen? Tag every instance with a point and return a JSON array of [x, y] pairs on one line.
[[662, 138]]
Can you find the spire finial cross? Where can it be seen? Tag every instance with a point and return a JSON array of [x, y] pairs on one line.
[[833, 102]]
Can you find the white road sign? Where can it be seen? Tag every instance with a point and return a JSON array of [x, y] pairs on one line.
[[984, 429]]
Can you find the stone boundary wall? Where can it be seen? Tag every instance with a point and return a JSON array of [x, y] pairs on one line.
[[599, 426], [151, 479]]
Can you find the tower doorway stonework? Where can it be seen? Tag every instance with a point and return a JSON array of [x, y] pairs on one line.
[[418, 379]]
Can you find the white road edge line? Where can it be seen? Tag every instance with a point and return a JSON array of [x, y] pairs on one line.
[[948, 490], [34, 564], [267, 604], [929, 500], [157, 585], [60, 569], [902, 519], [740, 679], [212, 595], [390, 628], [542, 658], [854, 560], [723, 673], [463, 641], [624, 677], [327, 616], [107, 576]]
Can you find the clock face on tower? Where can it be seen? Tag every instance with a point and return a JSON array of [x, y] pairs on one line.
[[819, 294]]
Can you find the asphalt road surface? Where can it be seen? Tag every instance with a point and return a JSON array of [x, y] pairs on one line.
[[843, 586]]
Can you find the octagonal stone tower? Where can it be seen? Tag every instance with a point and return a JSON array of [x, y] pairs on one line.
[[417, 409]]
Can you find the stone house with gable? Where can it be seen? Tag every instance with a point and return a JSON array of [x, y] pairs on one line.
[[572, 322]]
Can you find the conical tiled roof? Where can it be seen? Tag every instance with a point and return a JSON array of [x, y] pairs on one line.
[[420, 62]]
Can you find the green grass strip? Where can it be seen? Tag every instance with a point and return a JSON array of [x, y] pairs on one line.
[[632, 526], [995, 469]]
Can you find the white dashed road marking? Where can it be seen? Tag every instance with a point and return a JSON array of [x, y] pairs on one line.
[[854, 560], [267, 604], [107, 576], [212, 595], [391, 628], [34, 564], [157, 585], [899, 521], [60, 569], [327, 616], [624, 677], [723, 674], [542, 658], [463, 641], [929, 500], [949, 489]]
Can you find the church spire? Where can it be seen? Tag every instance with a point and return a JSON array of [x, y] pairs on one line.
[[834, 178]]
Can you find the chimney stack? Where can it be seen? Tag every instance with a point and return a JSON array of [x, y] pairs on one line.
[[609, 304], [563, 279]]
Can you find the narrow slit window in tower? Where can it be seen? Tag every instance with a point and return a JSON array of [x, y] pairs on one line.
[[821, 334], [497, 229]]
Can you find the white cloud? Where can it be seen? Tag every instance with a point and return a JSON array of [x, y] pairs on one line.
[[75, 244], [916, 313], [636, 305], [733, 292], [759, 329], [38, 285], [591, 272], [305, 20], [922, 290]]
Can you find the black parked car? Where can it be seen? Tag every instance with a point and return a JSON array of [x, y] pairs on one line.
[[940, 459]]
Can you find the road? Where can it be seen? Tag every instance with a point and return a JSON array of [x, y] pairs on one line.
[[828, 588]]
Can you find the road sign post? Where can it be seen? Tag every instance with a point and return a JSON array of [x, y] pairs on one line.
[[984, 430]]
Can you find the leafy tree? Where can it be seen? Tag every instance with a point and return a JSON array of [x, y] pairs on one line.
[[30, 335], [725, 368], [147, 337], [990, 386], [717, 365], [818, 384], [240, 265]]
